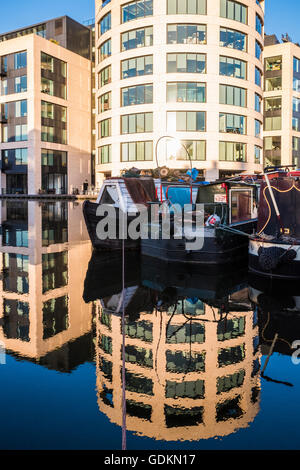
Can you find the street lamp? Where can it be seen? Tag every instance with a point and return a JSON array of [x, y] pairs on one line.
[[179, 143]]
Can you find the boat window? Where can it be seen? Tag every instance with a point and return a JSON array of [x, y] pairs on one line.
[[110, 195], [241, 201]]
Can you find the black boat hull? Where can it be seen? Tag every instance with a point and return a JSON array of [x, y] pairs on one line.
[[92, 220], [285, 270], [220, 248]]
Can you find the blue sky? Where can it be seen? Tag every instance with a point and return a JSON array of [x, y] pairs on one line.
[[18, 13], [281, 17]]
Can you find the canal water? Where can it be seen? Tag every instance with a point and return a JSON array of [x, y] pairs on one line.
[[195, 346]]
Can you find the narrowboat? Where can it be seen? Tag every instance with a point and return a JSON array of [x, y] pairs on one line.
[[124, 195], [274, 250], [229, 215]]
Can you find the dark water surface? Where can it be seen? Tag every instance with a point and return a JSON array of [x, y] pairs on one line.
[[195, 345]]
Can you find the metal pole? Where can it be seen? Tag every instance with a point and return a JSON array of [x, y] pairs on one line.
[[273, 200]]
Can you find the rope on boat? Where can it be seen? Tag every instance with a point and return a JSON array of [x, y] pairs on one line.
[[234, 231]]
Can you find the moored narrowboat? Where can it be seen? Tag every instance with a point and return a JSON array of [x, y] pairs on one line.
[[230, 216], [274, 251]]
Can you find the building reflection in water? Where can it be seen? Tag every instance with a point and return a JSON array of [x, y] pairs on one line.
[[192, 364], [44, 254]]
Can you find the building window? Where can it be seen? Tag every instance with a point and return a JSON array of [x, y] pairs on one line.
[[47, 62], [258, 77], [17, 133], [296, 65], [186, 34], [104, 102], [53, 76], [104, 155], [272, 151], [186, 7], [14, 157], [233, 39], [105, 24], [20, 84], [296, 124], [186, 121], [233, 11], [21, 133], [233, 95], [230, 67], [273, 84], [273, 64], [258, 101], [4, 87], [233, 123], [186, 63], [257, 155], [54, 123], [53, 158], [232, 152], [137, 67], [258, 50], [189, 150], [137, 123], [4, 64], [259, 24], [142, 37], [135, 10], [20, 60], [296, 77], [21, 108], [296, 151], [105, 76], [105, 128], [186, 92], [139, 94], [137, 151], [47, 86], [21, 156], [272, 123], [105, 50], [273, 104], [257, 128]]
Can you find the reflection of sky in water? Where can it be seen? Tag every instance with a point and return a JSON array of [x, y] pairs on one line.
[[60, 411]]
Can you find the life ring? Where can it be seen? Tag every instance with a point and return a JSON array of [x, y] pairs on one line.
[[164, 172]]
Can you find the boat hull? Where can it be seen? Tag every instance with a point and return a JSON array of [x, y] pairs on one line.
[[220, 248], [284, 270], [92, 220]]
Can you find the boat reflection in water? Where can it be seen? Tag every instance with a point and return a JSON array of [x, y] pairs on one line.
[[191, 353], [44, 253], [277, 306]]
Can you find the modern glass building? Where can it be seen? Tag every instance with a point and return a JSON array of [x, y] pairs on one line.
[[281, 102], [45, 124], [191, 70]]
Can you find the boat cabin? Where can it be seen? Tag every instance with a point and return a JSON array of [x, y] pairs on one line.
[[233, 202]]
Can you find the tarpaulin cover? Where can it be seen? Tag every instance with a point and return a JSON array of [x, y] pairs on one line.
[[141, 190], [286, 191]]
